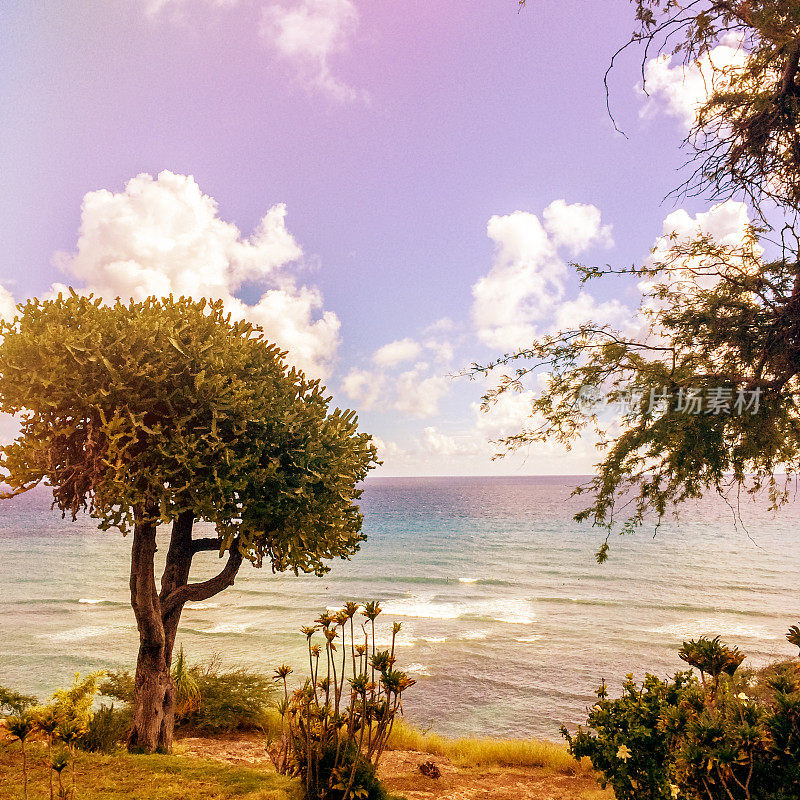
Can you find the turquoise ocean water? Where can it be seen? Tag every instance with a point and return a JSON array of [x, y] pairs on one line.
[[508, 622]]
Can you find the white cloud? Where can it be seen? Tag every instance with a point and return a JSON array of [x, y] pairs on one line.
[[307, 33], [443, 351], [419, 393], [438, 443], [525, 281], [7, 304], [364, 387], [526, 284], [508, 415], [680, 90], [397, 352], [576, 226], [387, 450], [727, 223], [585, 308], [164, 236]]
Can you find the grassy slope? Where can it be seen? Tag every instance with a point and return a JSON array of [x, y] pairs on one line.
[[489, 752], [142, 778]]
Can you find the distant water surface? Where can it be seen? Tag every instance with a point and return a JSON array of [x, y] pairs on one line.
[[508, 622]]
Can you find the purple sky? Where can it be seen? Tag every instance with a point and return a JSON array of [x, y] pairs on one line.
[[392, 132]]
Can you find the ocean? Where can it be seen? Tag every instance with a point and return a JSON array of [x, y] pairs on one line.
[[508, 623]]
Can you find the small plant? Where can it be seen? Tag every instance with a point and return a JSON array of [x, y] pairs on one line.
[[186, 688], [20, 727], [628, 749], [335, 727], [14, 703], [58, 763], [711, 658], [47, 721], [793, 637], [430, 769]]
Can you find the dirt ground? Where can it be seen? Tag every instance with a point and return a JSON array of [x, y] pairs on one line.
[[399, 770]]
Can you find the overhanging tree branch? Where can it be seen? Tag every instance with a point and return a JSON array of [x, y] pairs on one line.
[[205, 589]]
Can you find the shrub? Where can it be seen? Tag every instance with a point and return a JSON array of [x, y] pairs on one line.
[[333, 736], [210, 698], [105, 731], [628, 749], [14, 703], [228, 699], [733, 735]]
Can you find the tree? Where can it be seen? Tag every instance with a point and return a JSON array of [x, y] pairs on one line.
[[705, 381], [167, 412]]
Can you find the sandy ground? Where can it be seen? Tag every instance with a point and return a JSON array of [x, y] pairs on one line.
[[400, 772]]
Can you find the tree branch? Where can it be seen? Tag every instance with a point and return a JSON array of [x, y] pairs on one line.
[[207, 545], [206, 589]]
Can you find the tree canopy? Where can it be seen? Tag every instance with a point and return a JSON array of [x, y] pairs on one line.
[[166, 406], [701, 389]]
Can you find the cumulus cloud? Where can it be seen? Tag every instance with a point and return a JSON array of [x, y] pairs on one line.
[[526, 284], [576, 226], [419, 392], [365, 387], [680, 90], [163, 236], [307, 33], [397, 352], [387, 450], [727, 223]]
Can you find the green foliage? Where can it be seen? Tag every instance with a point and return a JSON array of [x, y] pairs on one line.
[[20, 726], [746, 137], [336, 726], [734, 738], [628, 749], [711, 657], [793, 637], [12, 702], [228, 699], [155, 408], [106, 730], [220, 700]]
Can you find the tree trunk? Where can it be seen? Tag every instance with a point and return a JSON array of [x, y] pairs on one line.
[[158, 616], [152, 671]]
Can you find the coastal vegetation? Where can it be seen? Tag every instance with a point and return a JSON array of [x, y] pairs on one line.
[[730, 735], [169, 412], [335, 727]]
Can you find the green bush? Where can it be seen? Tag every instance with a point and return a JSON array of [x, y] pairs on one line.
[[105, 731], [210, 697], [228, 699], [14, 703], [628, 749], [732, 735]]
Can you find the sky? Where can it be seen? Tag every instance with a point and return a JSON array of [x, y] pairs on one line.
[[392, 190]]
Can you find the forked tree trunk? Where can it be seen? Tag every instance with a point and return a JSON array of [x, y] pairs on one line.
[[157, 617]]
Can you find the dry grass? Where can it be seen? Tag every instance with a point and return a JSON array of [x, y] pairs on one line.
[[489, 752]]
